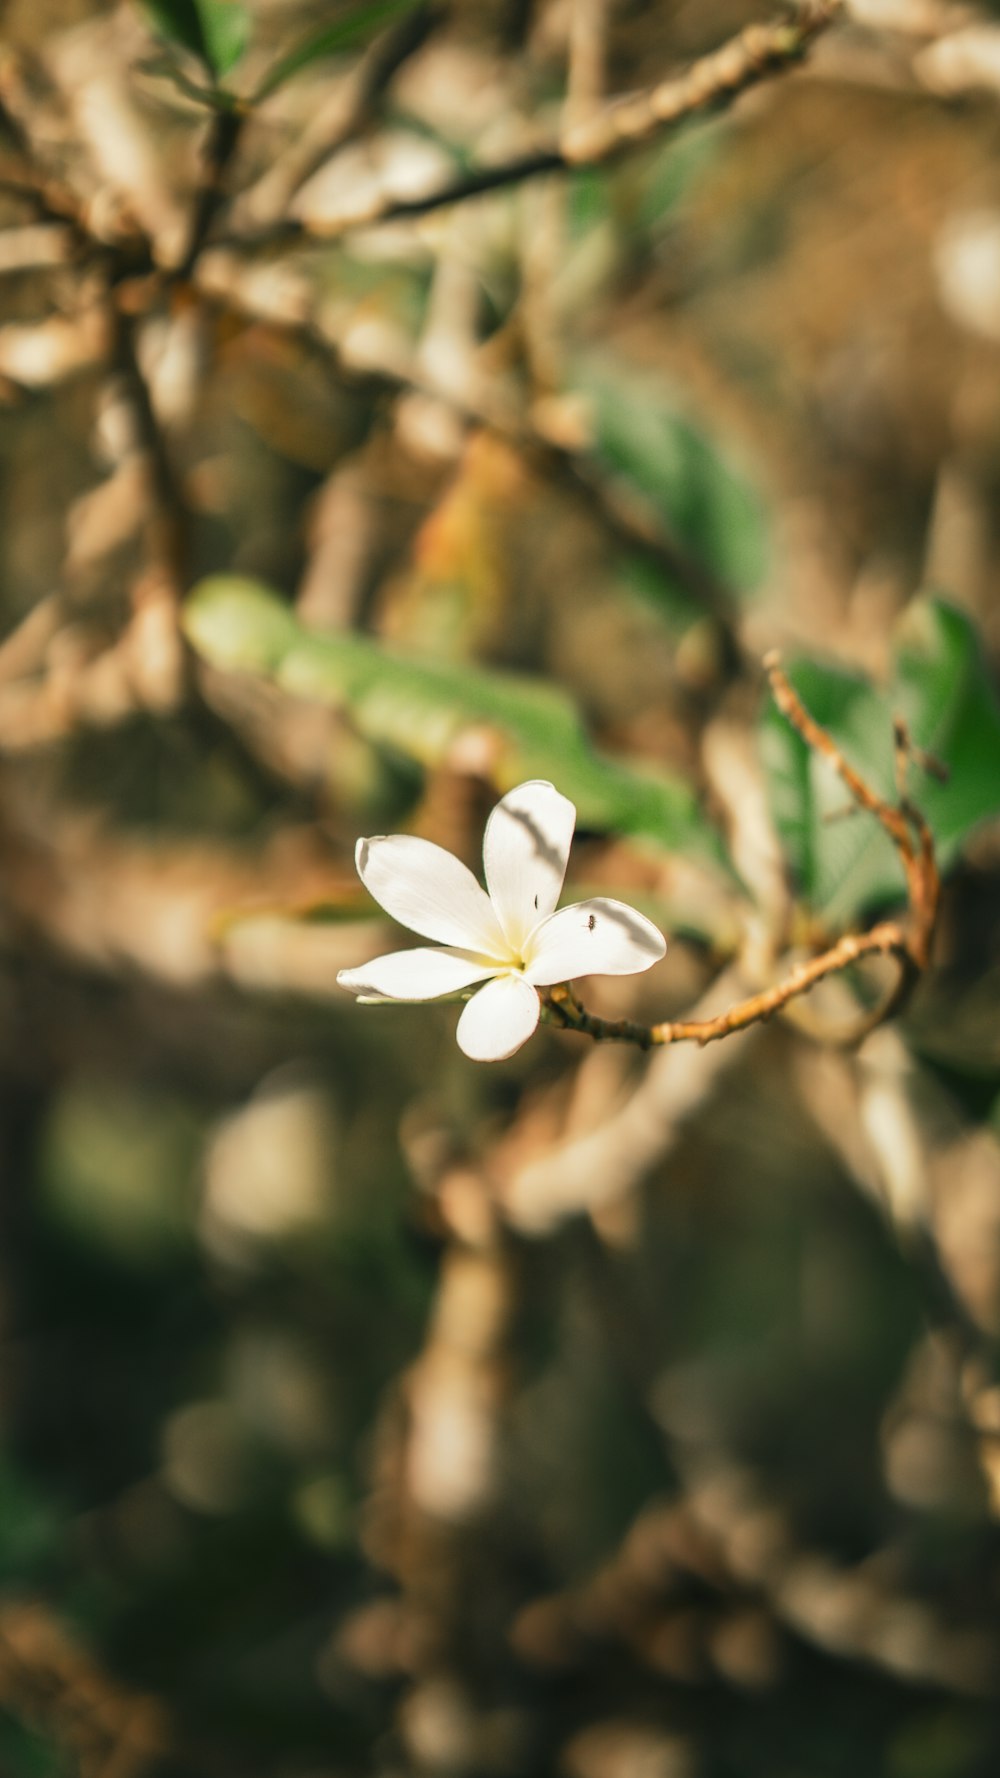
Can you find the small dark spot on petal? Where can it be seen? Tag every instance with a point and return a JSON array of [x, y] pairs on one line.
[[536, 904]]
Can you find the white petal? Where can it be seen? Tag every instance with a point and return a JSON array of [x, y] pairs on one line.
[[498, 1019], [430, 891], [592, 938], [420, 974], [525, 850]]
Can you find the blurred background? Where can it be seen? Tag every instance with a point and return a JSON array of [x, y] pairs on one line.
[[364, 1410]]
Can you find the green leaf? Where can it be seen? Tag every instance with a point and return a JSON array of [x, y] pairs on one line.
[[940, 684], [588, 200], [216, 31], [237, 624], [356, 26], [177, 22], [113, 1167], [168, 65], [675, 168], [27, 1753], [641, 438], [841, 860], [944, 691], [423, 709]]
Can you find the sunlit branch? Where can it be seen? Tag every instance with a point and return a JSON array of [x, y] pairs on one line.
[[907, 941], [131, 283], [755, 54], [222, 283]]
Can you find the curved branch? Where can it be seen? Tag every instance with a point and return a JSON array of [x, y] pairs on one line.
[[907, 941], [755, 54]]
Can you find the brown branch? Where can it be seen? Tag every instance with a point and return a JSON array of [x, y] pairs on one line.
[[342, 120], [628, 518], [907, 941], [904, 823], [26, 173], [755, 54], [170, 527], [131, 281], [588, 47], [221, 142], [22, 172], [48, 199]]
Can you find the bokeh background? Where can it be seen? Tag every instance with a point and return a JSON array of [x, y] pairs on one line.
[[363, 1410]]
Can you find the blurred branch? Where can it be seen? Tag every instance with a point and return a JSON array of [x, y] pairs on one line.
[[48, 1682], [25, 172], [221, 143], [170, 524], [126, 293], [51, 201], [33, 246], [344, 116], [754, 55], [907, 942], [280, 299], [850, 1611], [587, 60]]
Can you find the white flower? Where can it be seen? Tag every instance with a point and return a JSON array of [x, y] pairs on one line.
[[511, 939]]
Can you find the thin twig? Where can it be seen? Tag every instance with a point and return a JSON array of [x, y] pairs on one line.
[[754, 55], [50, 200], [907, 941], [130, 282], [904, 824]]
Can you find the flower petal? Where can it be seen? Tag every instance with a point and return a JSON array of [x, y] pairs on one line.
[[525, 850], [498, 1019], [430, 891], [420, 974], [592, 938]]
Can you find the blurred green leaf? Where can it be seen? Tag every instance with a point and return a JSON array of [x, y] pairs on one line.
[[944, 690], [24, 1754], [675, 168], [117, 1169], [939, 1743], [641, 438], [588, 201], [940, 684], [31, 1530], [356, 26], [841, 860], [422, 709], [216, 31]]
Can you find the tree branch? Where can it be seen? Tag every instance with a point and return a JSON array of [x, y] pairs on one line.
[[170, 520], [755, 54], [907, 941], [221, 143], [343, 118]]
